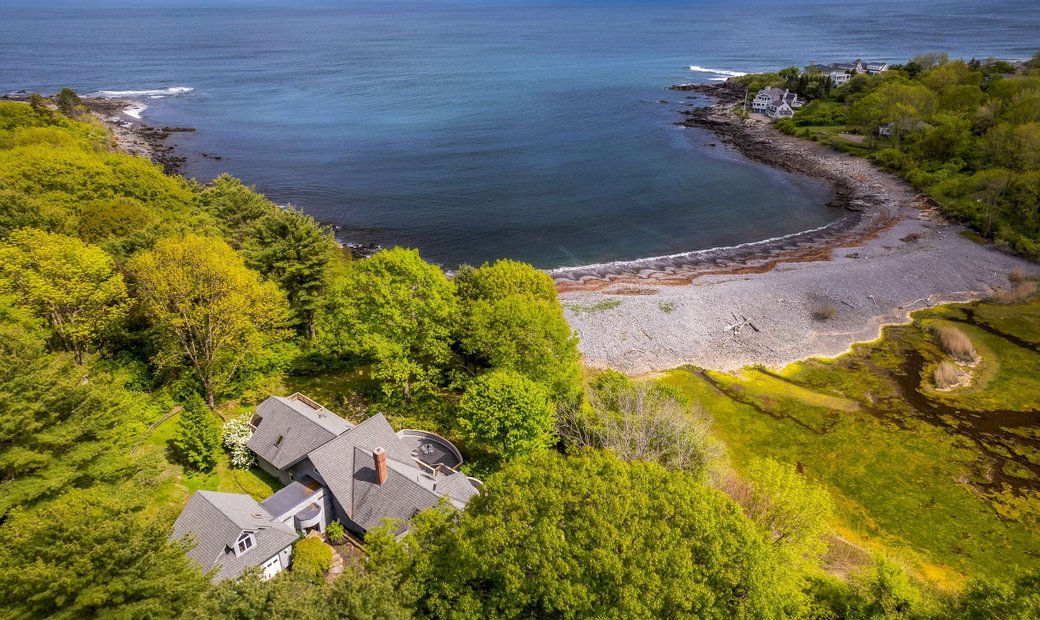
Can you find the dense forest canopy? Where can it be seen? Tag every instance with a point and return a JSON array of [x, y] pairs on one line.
[[129, 297]]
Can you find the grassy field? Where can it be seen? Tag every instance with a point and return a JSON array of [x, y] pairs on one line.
[[946, 480], [176, 485]]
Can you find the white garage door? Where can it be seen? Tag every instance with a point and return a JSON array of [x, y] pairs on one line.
[[271, 567]]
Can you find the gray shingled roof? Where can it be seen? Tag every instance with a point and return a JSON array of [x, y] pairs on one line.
[[398, 498], [301, 428], [215, 521], [347, 467]]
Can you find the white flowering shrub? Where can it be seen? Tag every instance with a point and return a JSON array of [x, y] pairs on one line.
[[235, 435]]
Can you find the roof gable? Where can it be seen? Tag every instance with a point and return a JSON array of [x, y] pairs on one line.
[[215, 521], [292, 427], [348, 469]]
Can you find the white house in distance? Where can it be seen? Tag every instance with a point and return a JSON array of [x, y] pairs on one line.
[[776, 103], [841, 73], [358, 474]]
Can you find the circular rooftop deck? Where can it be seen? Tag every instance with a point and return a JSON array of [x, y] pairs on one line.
[[430, 448]]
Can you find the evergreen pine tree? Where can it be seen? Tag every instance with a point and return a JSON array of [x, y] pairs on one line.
[[198, 436]]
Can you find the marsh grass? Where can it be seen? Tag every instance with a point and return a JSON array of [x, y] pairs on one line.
[[956, 344], [901, 484], [1023, 288], [946, 375]]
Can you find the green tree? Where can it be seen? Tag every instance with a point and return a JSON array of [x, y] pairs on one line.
[[793, 511], [986, 599], [643, 421], [235, 206], [508, 413], [397, 309], [197, 441], [210, 309], [587, 536], [904, 106], [503, 278], [90, 554], [355, 595], [511, 319], [292, 249], [884, 591], [74, 286], [58, 431], [69, 103]]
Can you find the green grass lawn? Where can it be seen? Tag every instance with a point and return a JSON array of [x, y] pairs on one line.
[[910, 470], [176, 485]]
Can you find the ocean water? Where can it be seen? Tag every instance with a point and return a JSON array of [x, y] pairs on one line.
[[482, 130]]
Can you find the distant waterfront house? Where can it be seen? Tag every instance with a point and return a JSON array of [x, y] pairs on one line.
[[333, 470], [841, 73], [776, 103]]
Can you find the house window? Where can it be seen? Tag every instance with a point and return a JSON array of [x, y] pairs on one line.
[[245, 543], [278, 442]]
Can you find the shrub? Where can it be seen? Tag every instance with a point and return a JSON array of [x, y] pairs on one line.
[[1020, 292], [1017, 275], [235, 435], [335, 532], [198, 436], [956, 344], [947, 375], [311, 558], [824, 312]]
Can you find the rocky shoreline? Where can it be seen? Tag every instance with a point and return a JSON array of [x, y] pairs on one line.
[[891, 254], [870, 199], [136, 137]]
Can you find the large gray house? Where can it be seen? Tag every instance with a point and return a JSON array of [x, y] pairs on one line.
[[333, 470]]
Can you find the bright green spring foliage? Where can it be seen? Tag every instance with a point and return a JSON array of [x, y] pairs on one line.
[[508, 413], [62, 425], [214, 315], [311, 557], [286, 245], [397, 310], [197, 441], [355, 595], [73, 286], [588, 536], [63, 176], [90, 554], [1017, 599], [968, 133], [793, 510], [512, 319]]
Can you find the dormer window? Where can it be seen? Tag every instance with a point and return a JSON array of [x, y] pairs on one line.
[[245, 542]]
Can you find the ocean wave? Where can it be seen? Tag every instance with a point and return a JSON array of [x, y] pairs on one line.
[[152, 93], [689, 256], [700, 69], [135, 110]]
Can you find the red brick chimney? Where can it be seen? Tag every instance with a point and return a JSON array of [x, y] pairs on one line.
[[379, 454]]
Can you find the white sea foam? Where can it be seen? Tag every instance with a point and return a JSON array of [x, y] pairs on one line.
[[727, 72], [691, 255], [153, 92], [135, 110]]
